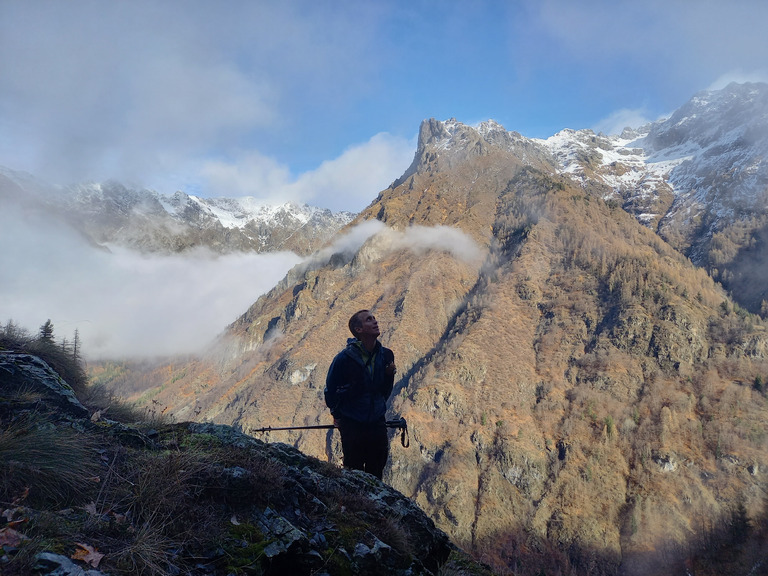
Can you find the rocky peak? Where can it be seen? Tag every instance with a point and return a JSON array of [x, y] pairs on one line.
[[446, 144], [736, 111]]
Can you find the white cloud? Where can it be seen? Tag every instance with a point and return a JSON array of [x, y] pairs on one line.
[[250, 174], [740, 77], [123, 303], [144, 89], [421, 239], [349, 182], [355, 178], [382, 240], [621, 119]]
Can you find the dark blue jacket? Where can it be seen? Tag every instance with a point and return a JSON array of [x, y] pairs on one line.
[[356, 390]]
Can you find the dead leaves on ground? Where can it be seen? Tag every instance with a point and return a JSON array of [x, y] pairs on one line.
[[87, 554], [10, 538]]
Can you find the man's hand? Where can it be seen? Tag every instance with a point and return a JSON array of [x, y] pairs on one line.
[[390, 369]]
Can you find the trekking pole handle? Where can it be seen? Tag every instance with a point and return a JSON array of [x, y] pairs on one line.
[[403, 426]]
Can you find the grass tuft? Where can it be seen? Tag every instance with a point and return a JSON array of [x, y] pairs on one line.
[[59, 466]]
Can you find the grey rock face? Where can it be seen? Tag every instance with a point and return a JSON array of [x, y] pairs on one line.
[[30, 374]]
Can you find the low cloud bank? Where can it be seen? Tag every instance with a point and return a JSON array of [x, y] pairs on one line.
[[421, 239], [126, 304], [418, 239], [122, 303]]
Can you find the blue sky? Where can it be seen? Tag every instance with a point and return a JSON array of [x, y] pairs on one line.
[[320, 101]]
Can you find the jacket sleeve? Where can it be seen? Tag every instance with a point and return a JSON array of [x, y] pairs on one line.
[[389, 381], [331, 384], [336, 386]]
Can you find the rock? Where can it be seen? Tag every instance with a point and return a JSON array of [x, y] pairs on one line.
[[50, 564], [30, 375]]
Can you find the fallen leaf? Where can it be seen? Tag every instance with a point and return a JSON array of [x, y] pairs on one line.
[[87, 554], [119, 518], [10, 537], [19, 499]]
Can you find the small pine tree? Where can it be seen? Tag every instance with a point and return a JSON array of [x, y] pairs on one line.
[[13, 336], [46, 332], [740, 524], [76, 345]]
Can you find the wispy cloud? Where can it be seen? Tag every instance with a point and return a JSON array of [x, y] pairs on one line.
[[740, 77], [349, 182], [649, 56], [421, 239], [621, 119]]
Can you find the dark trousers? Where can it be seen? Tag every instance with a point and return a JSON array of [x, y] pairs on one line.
[[365, 445]]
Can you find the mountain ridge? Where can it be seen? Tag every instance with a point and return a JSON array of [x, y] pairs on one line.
[[147, 221]]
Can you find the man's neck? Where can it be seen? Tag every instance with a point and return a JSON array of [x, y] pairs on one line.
[[368, 343]]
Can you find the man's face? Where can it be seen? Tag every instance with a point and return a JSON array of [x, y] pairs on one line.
[[368, 326]]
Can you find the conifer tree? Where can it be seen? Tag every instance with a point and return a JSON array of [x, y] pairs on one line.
[[46, 332], [76, 345]]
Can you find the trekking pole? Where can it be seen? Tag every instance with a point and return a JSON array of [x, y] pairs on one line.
[[318, 427], [400, 424]]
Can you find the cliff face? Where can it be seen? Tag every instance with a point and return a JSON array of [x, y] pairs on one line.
[[577, 392]]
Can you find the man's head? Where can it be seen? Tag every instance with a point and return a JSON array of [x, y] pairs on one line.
[[363, 323]]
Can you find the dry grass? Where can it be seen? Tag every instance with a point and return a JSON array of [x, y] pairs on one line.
[[59, 465], [147, 552]]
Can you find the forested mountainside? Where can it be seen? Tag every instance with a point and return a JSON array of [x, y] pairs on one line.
[[699, 178], [581, 396]]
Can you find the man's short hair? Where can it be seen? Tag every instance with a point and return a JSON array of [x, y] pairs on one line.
[[356, 322]]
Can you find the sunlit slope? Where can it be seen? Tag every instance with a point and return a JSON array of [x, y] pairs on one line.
[[572, 382]]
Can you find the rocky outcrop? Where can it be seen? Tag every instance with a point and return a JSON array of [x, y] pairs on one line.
[[27, 382], [244, 506]]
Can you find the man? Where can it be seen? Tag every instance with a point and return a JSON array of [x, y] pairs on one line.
[[357, 387]]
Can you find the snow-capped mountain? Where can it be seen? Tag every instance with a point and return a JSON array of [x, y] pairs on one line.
[[699, 178], [110, 213], [689, 176]]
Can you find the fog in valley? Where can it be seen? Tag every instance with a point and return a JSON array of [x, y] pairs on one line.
[[124, 303]]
